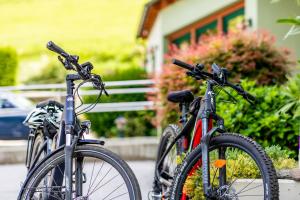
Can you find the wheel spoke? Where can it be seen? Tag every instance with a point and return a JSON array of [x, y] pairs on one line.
[[104, 184], [101, 179], [113, 191], [91, 176], [243, 190], [96, 177], [118, 196]]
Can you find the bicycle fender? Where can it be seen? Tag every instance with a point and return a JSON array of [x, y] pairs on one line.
[[90, 141]]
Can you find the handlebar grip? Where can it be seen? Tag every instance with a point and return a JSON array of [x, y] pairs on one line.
[[182, 64], [53, 47]]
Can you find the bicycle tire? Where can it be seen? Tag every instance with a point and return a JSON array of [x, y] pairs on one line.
[[271, 188], [85, 151], [168, 135]]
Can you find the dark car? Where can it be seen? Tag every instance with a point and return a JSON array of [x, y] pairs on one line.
[[13, 111]]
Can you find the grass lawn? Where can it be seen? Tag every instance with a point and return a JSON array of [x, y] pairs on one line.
[[82, 27]]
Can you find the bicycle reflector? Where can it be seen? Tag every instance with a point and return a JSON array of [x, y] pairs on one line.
[[220, 163]]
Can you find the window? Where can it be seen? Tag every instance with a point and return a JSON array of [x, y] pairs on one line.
[[232, 20], [222, 21], [209, 28], [185, 39]]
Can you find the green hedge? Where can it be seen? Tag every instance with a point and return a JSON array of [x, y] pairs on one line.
[[8, 66], [262, 122], [138, 122]]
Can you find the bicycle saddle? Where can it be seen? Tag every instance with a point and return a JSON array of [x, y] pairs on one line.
[[50, 103], [183, 96]]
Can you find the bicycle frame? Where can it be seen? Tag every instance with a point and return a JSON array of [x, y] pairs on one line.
[[202, 124], [67, 137]]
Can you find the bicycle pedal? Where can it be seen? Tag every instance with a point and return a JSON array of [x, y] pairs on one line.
[[156, 196], [165, 182]]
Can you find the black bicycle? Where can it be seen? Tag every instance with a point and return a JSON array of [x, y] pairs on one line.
[[214, 165], [79, 169]]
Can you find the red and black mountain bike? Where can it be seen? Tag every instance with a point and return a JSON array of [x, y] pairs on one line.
[[217, 164]]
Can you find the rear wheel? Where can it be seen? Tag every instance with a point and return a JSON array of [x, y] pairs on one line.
[[243, 172], [37, 145], [166, 169], [97, 174]]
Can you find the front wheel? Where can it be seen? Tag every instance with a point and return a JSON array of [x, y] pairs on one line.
[[97, 174], [239, 169]]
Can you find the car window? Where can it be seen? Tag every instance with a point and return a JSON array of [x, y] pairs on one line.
[[4, 103]]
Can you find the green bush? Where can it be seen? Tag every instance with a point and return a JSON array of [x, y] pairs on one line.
[[138, 122], [282, 158], [292, 91], [8, 66], [261, 122]]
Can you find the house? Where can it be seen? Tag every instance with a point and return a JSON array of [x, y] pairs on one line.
[[183, 21]]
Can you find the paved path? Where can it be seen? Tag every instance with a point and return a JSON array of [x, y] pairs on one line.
[[11, 177]]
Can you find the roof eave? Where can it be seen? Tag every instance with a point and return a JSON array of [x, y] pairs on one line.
[[141, 32]]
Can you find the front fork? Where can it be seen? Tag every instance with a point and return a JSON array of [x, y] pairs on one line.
[[207, 132], [205, 155], [68, 161]]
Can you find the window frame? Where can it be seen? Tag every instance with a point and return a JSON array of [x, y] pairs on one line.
[[216, 16]]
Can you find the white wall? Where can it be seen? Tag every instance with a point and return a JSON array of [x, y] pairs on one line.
[[269, 13], [155, 44], [251, 12], [185, 12]]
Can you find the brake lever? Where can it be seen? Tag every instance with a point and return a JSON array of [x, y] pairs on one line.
[[98, 84], [65, 63]]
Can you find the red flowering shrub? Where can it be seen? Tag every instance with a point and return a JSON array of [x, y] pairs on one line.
[[253, 56], [246, 55]]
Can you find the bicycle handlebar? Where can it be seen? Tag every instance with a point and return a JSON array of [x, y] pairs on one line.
[[198, 74], [71, 63], [183, 64], [53, 47], [242, 92]]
